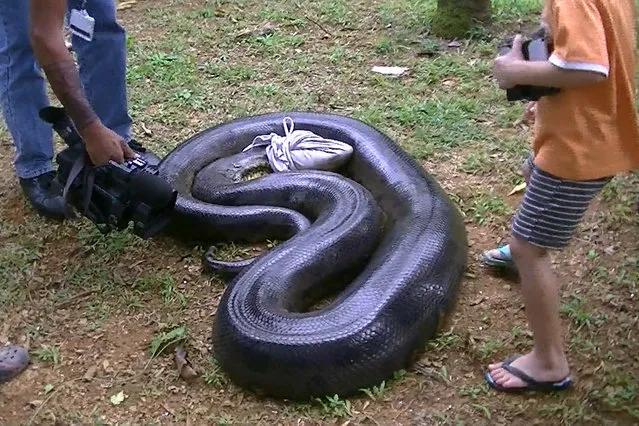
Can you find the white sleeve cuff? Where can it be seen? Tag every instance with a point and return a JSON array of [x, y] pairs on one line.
[[578, 66]]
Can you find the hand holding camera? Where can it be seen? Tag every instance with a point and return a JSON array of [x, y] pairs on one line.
[[502, 68], [512, 53], [104, 145]]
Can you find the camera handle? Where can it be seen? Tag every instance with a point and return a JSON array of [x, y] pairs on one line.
[[82, 169]]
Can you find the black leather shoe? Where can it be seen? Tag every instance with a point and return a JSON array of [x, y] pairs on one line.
[[45, 196]]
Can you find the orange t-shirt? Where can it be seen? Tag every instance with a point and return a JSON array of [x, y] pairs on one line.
[[590, 132]]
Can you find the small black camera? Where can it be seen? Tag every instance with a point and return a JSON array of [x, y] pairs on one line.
[[113, 195], [534, 49]]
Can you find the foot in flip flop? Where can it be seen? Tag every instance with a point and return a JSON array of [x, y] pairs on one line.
[[500, 257], [13, 361], [508, 376]]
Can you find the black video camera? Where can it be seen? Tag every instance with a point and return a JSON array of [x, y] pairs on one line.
[[113, 195], [534, 49]]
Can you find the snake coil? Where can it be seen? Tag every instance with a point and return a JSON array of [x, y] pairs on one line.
[[381, 228]]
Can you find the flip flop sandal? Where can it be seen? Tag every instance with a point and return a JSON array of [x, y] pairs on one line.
[[504, 261], [531, 384], [13, 361]]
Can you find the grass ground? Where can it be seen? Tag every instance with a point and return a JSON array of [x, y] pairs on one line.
[[95, 310]]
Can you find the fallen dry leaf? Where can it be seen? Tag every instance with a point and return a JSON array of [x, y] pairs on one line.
[[118, 398], [88, 376], [478, 301], [35, 404], [145, 129], [262, 31], [168, 410], [127, 4], [184, 367], [449, 82], [610, 250], [218, 11], [5, 331], [518, 188]]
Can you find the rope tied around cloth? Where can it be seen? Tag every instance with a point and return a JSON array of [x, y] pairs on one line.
[[302, 150]]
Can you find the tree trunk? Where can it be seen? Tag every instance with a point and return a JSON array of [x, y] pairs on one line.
[[454, 18]]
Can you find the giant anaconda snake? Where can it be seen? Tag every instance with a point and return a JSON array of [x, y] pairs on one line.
[[382, 227]]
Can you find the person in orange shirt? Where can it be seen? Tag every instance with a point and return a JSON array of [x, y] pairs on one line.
[[584, 135]]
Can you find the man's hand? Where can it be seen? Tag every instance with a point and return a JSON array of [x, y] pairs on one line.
[[504, 69], [103, 144]]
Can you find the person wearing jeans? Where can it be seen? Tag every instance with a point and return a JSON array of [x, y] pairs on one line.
[[94, 93]]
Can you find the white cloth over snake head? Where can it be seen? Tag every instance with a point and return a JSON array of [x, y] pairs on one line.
[[302, 150]]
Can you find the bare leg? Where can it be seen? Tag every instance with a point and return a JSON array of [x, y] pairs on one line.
[[547, 361]]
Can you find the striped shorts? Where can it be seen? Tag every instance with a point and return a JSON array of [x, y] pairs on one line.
[[553, 208]]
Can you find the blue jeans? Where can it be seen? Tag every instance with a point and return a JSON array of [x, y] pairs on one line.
[[102, 66]]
